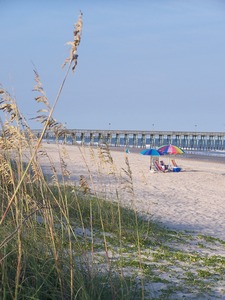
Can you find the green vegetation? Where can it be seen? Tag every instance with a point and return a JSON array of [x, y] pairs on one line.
[[62, 251]]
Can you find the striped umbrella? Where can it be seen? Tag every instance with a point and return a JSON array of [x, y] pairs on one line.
[[170, 149]]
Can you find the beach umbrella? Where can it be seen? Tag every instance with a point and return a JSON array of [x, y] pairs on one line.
[[151, 152], [170, 149]]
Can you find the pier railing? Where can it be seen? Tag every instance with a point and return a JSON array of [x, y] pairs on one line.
[[137, 138]]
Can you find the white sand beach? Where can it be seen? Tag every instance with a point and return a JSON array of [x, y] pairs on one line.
[[191, 200]]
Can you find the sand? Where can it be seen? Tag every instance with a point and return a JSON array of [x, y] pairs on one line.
[[191, 200]]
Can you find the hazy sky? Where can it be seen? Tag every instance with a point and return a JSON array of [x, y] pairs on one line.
[[140, 63]]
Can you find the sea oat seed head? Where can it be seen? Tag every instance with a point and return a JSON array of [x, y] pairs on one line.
[[76, 41]]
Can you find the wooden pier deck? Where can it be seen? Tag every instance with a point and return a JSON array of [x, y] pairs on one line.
[[142, 139]]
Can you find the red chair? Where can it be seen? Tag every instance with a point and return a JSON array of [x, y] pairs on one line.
[[158, 167], [174, 163]]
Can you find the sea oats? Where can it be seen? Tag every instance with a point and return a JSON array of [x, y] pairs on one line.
[[39, 88], [84, 186], [43, 114], [75, 43], [128, 178], [64, 167], [9, 106]]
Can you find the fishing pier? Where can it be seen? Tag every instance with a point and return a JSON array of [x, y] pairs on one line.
[[138, 138]]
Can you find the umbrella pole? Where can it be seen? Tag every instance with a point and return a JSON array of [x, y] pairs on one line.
[[169, 161]]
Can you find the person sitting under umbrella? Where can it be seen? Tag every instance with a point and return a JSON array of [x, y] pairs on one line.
[[164, 167]]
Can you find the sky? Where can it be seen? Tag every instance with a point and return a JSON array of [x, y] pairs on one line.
[[142, 65]]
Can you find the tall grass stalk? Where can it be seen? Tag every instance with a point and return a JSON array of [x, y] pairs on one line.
[[130, 187], [102, 226]]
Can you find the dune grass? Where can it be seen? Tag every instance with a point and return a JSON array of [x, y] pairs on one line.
[[62, 251]]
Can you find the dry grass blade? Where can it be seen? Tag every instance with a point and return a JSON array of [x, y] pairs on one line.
[[128, 179], [5, 170], [39, 88], [65, 171], [43, 113], [64, 167], [76, 41], [9, 106], [106, 158], [84, 186], [13, 137], [13, 115]]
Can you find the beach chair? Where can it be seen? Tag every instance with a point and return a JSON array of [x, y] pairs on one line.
[[174, 163], [158, 167], [175, 166]]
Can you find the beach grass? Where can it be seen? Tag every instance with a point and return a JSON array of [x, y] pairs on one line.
[[62, 251]]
